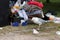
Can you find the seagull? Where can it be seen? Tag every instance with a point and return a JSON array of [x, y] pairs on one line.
[[38, 21]]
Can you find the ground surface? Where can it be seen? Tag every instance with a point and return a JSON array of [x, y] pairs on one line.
[[18, 36], [47, 32]]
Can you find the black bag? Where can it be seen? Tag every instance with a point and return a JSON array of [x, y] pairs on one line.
[[4, 12]]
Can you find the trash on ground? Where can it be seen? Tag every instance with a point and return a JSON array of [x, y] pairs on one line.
[[35, 31], [57, 20], [1, 28], [58, 32]]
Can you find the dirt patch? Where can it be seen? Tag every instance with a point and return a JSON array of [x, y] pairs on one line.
[[19, 36], [47, 32]]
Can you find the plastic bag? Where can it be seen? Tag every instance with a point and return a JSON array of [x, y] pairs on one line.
[[57, 20]]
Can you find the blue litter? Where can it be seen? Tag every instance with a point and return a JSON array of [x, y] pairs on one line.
[[15, 24], [24, 23]]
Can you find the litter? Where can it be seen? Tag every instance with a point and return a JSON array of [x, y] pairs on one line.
[[1, 28], [15, 24], [57, 20], [35, 31], [23, 23], [58, 32]]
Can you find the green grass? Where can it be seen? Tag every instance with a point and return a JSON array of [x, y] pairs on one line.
[[53, 5], [50, 0]]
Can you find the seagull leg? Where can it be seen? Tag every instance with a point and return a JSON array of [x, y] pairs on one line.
[[39, 27]]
